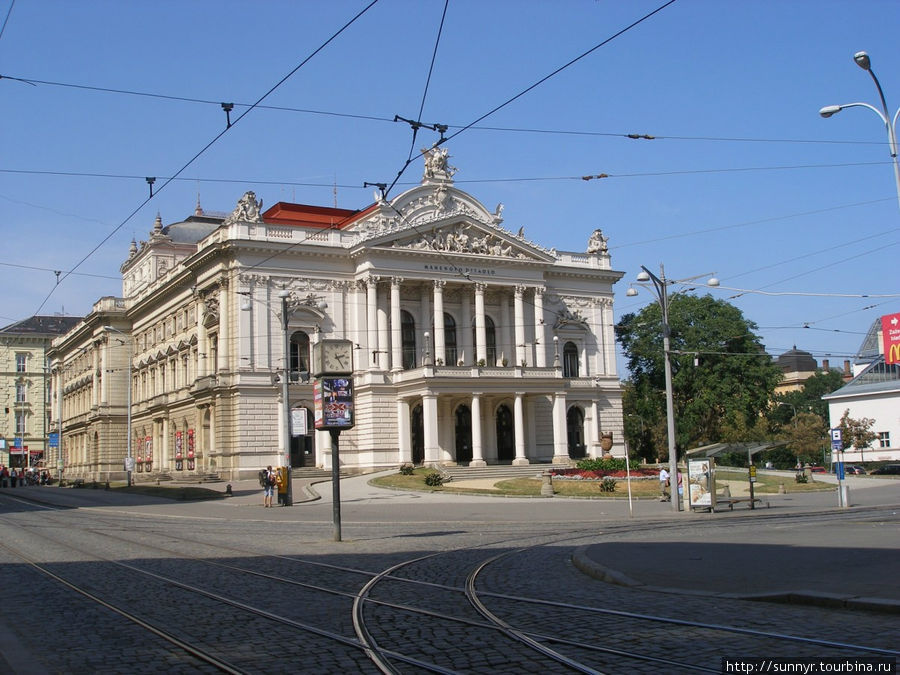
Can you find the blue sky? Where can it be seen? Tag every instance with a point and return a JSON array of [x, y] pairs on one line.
[[743, 178]]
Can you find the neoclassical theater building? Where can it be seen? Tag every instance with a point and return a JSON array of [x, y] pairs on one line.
[[472, 344]]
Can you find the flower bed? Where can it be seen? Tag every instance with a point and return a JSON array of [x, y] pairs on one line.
[[582, 474]]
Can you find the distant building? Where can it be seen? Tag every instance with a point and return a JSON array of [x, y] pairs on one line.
[[873, 393], [472, 344], [24, 387], [796, 366]]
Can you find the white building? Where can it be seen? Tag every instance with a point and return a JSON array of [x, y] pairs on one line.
[[473, 344], [873, 393]]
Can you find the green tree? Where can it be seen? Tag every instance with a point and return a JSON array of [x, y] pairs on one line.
[[855, 433], [806, 436], [806, 399], [721, 375]]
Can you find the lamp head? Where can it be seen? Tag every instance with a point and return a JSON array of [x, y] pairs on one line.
[[862, 60], [712, 281], [631, 292], [284, 293], [643, 276], [830, 110]]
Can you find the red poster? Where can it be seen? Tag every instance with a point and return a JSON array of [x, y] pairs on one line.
[[890, 336]]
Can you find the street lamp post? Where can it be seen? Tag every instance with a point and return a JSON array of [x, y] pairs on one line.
[[128, 457], [284, 294], [863, 61], [660, 286]]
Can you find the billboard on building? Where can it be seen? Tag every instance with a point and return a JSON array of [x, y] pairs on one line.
[[890, 337]]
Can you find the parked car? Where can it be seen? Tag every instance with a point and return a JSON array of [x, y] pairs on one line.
[[886, 470], [817, 469], [855, 469]]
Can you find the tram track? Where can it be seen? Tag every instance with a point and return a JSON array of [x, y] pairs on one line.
[[400, 599]]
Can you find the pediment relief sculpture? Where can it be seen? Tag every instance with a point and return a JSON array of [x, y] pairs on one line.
[[462, 239], [566, 318]]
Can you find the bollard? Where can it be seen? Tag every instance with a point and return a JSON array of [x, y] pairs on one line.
[[228, 490], [781, 489], [547, 484], [107, 485]]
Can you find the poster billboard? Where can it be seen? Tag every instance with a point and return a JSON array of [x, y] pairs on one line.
[[333, 403], [699, 482], [890, 337]]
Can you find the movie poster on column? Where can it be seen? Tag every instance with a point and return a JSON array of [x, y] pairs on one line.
[[333, 399]]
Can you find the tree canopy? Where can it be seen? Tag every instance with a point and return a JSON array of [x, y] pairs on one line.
[[722, 378]]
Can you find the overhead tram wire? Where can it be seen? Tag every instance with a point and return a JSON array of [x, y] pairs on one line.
[[537, 84], [417, 124], [6, 18], [207, 146]]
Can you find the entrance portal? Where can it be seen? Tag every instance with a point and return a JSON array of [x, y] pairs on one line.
[[417, 435], [506, 435], [463, 435], [575, 433]]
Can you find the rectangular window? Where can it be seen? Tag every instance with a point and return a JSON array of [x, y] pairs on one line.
[[20, 363], [20, 392], [20, 424], [884, 439]]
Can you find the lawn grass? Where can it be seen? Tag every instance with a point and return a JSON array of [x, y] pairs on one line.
[[640, 488]]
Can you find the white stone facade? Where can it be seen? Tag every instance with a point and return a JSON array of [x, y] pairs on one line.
[[472, 343]]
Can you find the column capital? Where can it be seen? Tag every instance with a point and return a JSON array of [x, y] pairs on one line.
[[520, 290], [480, 286], [396, 281], [439, 284]]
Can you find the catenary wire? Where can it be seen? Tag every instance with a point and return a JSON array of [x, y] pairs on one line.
[[209, 145]]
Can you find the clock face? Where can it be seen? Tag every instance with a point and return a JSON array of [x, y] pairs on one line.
[[337, 357]]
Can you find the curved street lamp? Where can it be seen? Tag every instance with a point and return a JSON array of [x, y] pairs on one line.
[[863, 61], [660, 286]]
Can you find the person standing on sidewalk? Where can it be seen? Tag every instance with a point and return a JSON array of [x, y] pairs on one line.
[[269, 487]]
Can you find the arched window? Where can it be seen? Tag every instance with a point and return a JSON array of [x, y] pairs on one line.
[[450, 351], [570, 360], [299, 349], [408, 339], [490, 340]]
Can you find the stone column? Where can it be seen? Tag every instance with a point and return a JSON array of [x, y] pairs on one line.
[[540, 332], [224, 351], [440, 345], [403, 431], [396, 336], [464, 331], [430, 422], [426, 316], [480, 335], [202, 338], [519, 321], [95, 377], [519, 421], [504, 349], [477, 443], [609, 356], [560, 437], [105, 372], [594, 441], [372, 320]]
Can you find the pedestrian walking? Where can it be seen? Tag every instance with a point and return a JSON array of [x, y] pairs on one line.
[[663, 484]]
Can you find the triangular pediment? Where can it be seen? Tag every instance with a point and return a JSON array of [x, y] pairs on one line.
[[438, 217]]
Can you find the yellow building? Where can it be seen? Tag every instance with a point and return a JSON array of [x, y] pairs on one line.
[[25, 388]]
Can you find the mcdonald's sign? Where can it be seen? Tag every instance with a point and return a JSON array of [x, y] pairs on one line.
[[890, 336]]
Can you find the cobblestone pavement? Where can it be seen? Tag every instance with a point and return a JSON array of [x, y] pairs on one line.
[[44, 628]]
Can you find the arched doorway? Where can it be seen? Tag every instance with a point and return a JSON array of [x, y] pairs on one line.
[[506, 435], [463, 435], [575, 433], [303, 452], [417, 435]]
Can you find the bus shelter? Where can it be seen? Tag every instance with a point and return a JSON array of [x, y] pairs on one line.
[[701, 493]]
